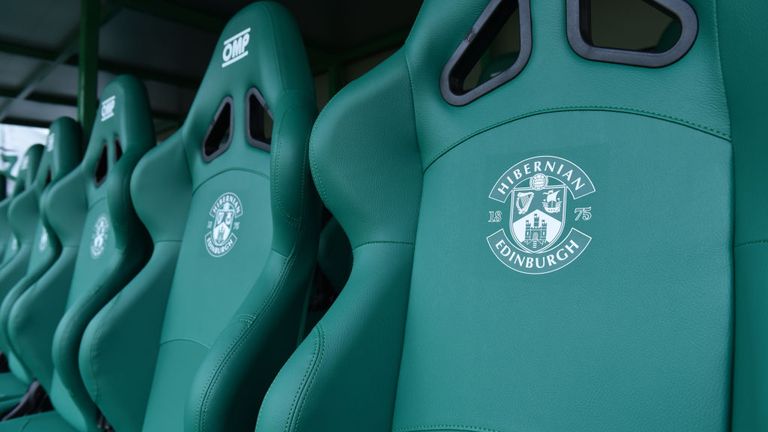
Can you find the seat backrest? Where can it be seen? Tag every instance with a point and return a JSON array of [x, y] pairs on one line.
[[63, 152], [248, 241], [550, 287], [113, 243]]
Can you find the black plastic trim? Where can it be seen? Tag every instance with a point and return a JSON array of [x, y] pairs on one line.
[[118, 149], [226, 102], [254, 141], [454, 97], [102, 166], [680, 8]]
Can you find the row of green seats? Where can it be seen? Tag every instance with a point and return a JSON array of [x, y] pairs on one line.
[[575, 244]]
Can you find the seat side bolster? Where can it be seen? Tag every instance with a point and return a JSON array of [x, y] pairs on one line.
[[69, 332], [265, 328], [366, 164], [12, 297], [33, 318], [744, 54], [344, 375], [119, 347]]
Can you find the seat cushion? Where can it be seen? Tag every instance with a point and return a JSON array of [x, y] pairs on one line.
[[11, 391]]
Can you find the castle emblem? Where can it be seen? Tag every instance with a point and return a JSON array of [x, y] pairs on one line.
[[221, 238], [537, 236]]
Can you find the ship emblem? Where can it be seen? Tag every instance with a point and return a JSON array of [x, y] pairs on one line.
[[221, 238], [531, 201]]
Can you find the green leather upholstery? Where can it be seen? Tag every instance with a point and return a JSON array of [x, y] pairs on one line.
[[11, 245], [113, 244], [22, 217], [18, 233], [12, 390], [5, 229], [119, 348], [745, 66], [62, 154], [334, 255], [437, 330], [235, 302], [32, 319]]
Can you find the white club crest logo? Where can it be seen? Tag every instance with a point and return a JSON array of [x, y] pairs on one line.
[[108, 108], [43, 240], [221, 238], [539, 235], [235, 48], [50, 141], [99, 236]]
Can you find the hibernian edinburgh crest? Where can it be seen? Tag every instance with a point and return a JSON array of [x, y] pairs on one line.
[[539, 204], [99, 236], [221, 238]]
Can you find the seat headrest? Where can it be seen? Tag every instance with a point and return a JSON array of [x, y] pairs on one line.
[[258, 58], [28, 168], [123, 131], [556, 76], [65, 147], [123, 126]]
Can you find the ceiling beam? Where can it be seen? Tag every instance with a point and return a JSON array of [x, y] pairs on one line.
[[69, 48], [19, 121], [177, 13], [71, 101], [149, 74], [20, 49], [46, 98], [113, 67]]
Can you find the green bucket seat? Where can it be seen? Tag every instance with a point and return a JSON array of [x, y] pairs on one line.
[[22, 218], [21, 213], [5, 229], [552, 250], [63, 152], [233, 198], [112, 247], [33, 317]]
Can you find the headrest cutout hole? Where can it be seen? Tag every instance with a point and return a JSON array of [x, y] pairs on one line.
[[118, 149], [259, 120], [495, 51], [219, 134], [649, 33], [102, 166]]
